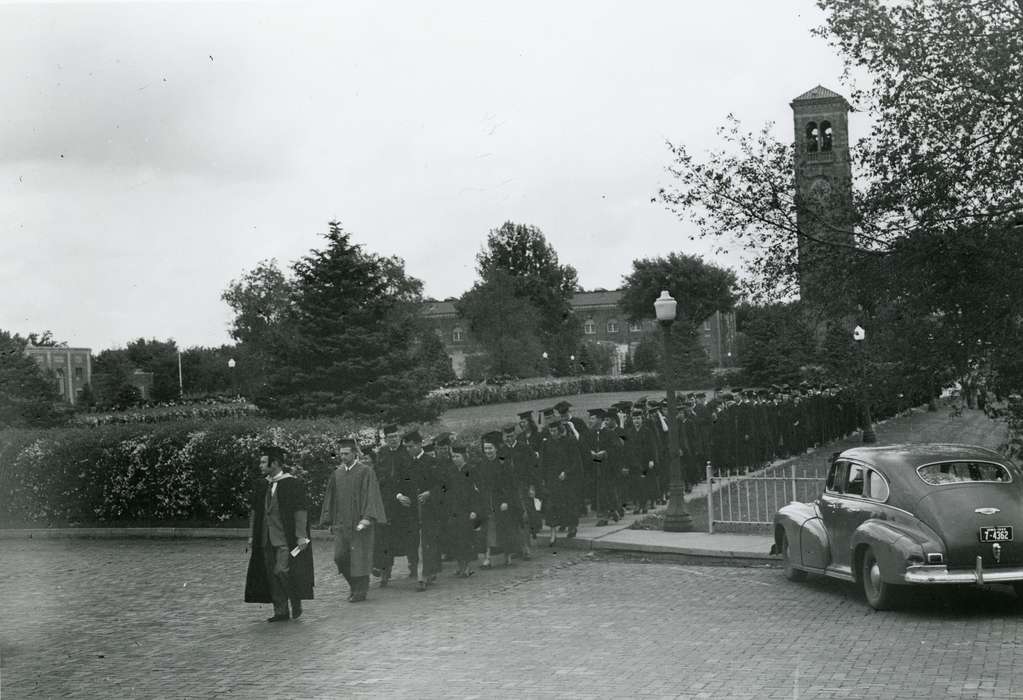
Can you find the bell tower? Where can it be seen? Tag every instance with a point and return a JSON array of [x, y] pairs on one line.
[[823, 187]]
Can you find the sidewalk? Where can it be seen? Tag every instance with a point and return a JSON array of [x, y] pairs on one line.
[[615, 537]]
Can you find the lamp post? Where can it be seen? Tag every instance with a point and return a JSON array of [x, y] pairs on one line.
[[869, 436], [676, 519], [234, 378]]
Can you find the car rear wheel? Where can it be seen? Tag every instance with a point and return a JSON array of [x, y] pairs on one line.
[[791, 572], [880, 595]]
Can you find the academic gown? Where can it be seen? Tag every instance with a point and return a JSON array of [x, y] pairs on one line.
[[353, 495], [496, 481], [561, 507], [461, 498], [291, 497]]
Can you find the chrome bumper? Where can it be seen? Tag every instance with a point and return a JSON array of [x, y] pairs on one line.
[[941, 574]]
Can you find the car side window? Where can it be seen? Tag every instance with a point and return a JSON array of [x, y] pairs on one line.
[[836, 476], [877, 487], [854, 486]]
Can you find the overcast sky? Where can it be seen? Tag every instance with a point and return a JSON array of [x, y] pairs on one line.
[[151, 153]]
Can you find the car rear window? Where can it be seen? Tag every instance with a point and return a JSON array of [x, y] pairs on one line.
[[962, 472]]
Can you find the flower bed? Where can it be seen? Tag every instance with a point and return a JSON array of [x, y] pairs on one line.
[[536, 389]]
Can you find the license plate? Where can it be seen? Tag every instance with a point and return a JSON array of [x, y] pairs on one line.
[[1001, 533]]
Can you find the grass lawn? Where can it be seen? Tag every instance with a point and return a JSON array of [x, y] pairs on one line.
[[495, 415]]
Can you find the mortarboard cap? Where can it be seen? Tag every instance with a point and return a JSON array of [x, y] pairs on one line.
[[348, 442], [509, 429], [274, 452], [493, 437], [460, 450], [412, 436], [562, 406], [442, 440], [525, 415], [391, 429]]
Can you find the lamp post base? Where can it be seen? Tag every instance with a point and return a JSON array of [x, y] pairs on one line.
[[676, 519]]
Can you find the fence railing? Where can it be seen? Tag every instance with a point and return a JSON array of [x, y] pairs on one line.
[[753, 499]]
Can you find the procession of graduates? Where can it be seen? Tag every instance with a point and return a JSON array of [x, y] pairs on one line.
[[442, 501]]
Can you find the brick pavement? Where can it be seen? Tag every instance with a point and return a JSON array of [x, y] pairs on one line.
[[138, 618]]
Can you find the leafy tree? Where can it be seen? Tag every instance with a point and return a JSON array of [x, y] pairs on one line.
[[353, 338], [936, 189], [262, 303], [699, 288], [776, 343], [506, 324], [45, 340], [161, 358], [690, 363], [27, 395], [522, 252], [111, 370]]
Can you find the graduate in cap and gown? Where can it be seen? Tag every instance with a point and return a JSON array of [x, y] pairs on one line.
[[525, 466], [352, 509], [500, 499], [419, 491], [561, 467], [389, 464], [281, 561], [462, 506]]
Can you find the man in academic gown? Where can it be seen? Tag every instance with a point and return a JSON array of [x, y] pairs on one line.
[[419, 493], [281, 563], [462, 507], [525, 465], [390, 463], [352, 509]]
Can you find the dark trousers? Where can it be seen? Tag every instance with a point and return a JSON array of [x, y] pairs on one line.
[[278, 572]]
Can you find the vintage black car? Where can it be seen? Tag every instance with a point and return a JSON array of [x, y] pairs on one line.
[[902, 515]]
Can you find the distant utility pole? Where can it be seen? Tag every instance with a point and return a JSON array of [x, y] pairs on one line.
[[181, 383]]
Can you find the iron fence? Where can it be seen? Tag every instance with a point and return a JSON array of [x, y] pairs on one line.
[[753, 499]]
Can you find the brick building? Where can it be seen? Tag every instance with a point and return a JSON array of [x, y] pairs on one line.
[[70, 367], [602, 322]]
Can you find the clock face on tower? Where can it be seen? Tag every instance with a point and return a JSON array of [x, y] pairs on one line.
[[820, 188]]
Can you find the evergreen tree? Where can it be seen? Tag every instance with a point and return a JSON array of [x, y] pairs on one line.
[[354, 338]]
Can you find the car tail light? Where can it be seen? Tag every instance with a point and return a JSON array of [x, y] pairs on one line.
[[935, 558]]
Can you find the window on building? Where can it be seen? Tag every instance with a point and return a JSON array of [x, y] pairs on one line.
[[825, 136], [812, 135], [78, 373], [706, 325], [589, 327], [612, 326], [457, 335], [635, 326]]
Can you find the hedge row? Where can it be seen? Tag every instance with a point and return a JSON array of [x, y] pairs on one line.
[[532, 390], [186, 471]]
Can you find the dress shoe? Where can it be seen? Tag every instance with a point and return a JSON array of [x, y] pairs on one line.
[[278, 618], [296, 610], [486, 564], [357, 597], [420, 586], [377, 572]]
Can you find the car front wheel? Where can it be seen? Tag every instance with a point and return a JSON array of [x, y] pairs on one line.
[[880, 595], [791, 572]]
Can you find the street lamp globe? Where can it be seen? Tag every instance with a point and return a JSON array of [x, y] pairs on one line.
[[859, 333], [665, 307], [231, 363], [544, 354]]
